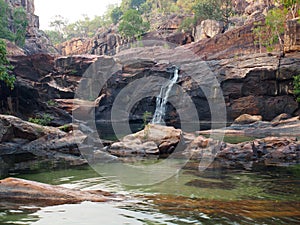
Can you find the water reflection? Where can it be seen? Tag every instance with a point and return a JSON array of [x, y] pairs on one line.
[[265, 196]]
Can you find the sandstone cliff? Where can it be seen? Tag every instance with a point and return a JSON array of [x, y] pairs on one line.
[[36, 40]]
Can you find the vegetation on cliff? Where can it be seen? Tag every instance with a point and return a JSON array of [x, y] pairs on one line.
[[18, 30], [5, 67], [270, 32]]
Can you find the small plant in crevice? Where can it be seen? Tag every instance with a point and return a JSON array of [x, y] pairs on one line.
[[43, 120], [66, 128], [296, 84], [51, 103], [146, 118]]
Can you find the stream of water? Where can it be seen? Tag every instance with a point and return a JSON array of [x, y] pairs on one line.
[[263, 196], [162, 99]]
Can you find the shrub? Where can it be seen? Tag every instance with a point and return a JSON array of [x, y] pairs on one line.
[[5, 67], [297, 87], [44, 120]]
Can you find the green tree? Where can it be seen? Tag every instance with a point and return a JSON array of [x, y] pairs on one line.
[[292, 6], [219, 10], [116, 15], [270, 32], [5, 67], [132, 24], [54, 36]]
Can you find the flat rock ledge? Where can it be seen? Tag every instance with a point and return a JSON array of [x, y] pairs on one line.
[[19, 191]]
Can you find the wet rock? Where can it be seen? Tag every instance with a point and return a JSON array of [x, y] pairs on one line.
[[19, 191]]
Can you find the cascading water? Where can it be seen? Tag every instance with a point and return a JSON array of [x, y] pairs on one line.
[[162, 98]]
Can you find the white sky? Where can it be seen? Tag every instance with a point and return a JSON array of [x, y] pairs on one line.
[[70, 9]]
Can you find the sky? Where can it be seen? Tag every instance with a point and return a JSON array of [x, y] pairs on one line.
[[70, 9]]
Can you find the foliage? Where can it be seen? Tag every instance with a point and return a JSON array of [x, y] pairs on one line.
[[66, 127], [292, 6], [5, 67], [219, 10], [44, 120], [297, 87], [55, 36], [4, 15], [187, 24], [132, 24], [85, 27], [146, 116], [116, 15], [19, 25], [269, 33], [52, 103]]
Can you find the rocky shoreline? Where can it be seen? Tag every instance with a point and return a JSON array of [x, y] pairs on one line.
[[26, 146]]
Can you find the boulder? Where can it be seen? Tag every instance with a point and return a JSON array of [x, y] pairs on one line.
[[153, 140], [208, 29], [24, 144], [267, 151], [18, 191], [247, 119], [281, 117]]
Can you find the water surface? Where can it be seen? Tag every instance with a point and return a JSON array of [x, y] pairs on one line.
[[265, 196]]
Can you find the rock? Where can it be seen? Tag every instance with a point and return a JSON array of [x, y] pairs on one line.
[[255, 6], [208, 29], [239, 41], [33, 67], [287, 127], [75, 64], [13, 50], [19, 191], [281, 117], [22, 143], [292, 37], [153, 140], [36, 40], [247, 119], [270, 150], [105, 42], [240, 6], [12, 127]]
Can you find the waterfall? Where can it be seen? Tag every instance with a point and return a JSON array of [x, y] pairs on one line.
[[162, 98]]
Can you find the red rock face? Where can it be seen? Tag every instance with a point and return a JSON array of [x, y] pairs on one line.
[[229, 44]]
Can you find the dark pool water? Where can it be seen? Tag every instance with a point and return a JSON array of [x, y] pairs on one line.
[[266, 196]]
